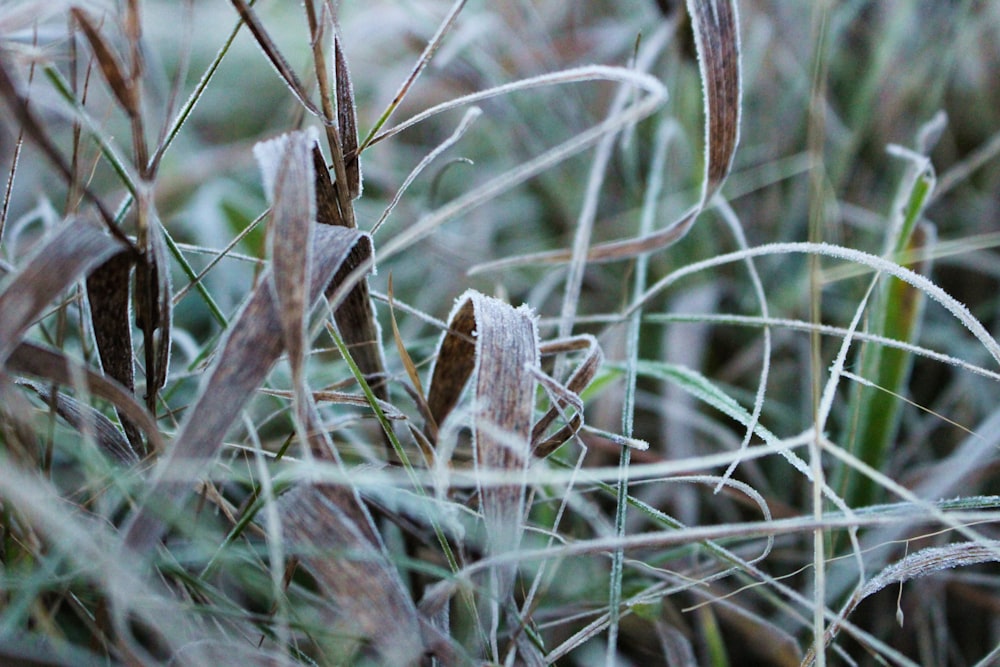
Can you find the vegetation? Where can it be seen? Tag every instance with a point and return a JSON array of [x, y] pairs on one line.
[[745, 415]]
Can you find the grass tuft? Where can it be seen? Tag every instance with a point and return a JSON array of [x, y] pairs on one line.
[[508, 333]]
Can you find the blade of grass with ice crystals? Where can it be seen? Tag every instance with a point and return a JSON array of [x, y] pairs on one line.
[[252, 346], [876, 409], [654, 185], [716, 31], [497, 346], [920, 564]]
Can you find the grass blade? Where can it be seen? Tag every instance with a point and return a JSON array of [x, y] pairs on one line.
[[876, 410]]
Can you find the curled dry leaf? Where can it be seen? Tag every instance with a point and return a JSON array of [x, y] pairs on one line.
[[497, 345], [253, 345], [354, 315], [717, 38]]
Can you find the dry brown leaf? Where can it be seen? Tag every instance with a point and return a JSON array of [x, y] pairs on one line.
[[62, 258], [86, 419], [54, 366], [320, 527], [286, 165], [347, 121], [717, 36], [107, 296], [111, 67], [254, 343]]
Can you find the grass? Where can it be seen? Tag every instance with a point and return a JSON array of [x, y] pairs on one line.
[[746, 414]]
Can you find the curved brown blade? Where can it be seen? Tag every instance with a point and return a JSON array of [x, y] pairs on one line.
[[86, 419], [568, 395], [54, 366], [61, 259], [716, 33], [287, 168]]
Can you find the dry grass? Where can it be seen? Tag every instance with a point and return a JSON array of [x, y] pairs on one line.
[[754, 355]]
